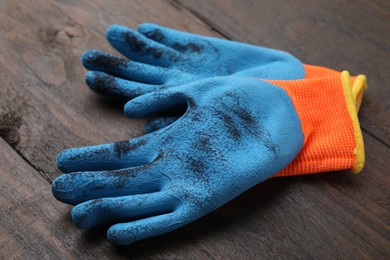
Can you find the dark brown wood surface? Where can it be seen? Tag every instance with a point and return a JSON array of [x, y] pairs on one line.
[[45, 107]]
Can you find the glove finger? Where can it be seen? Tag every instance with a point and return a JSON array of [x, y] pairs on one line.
[[122, 209], [139, 48], [118, 155], [156, 104], [159, 123], [159, 33], [127, 233], [108, 85], [118, 67], [78, 187], [180, 41]]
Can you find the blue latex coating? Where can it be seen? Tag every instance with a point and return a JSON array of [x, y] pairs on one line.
[[160, 57], [235, 133]]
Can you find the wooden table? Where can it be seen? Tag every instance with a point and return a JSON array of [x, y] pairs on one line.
[[45, 107]]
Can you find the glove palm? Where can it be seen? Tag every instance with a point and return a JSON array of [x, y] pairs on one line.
[[235, 133]]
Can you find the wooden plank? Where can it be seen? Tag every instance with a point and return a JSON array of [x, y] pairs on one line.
[[33, 224], [45, 107], [351, 35]]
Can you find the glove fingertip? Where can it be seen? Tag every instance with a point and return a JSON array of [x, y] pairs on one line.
[[115, 31], [90, 77], [63, 159], [146, 27], [80, 217], [89, 57], [57, 186], [62, 189], [100, 82], [139, 107], [119, 236], [130, 110]]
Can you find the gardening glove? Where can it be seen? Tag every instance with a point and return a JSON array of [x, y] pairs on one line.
[[161, 57], [236, 132], [121, 81]]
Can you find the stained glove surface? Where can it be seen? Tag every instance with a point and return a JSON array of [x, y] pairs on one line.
[[161, 57], [235, 133], [327, 107]]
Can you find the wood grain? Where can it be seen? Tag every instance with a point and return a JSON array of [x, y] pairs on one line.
[[45, 107], [33, 224]]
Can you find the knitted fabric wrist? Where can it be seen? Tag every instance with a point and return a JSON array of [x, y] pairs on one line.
[[332, 136]]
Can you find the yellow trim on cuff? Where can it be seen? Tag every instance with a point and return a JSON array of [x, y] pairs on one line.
[[359, 85], [351, 100]]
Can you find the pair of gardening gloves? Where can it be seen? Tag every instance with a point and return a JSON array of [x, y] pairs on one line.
[[225, 116]]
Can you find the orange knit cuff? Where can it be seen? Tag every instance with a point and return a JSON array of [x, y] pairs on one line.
[[327, 107], [359, 83]]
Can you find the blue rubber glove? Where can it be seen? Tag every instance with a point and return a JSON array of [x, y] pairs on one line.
[[161, 57], [236, 132]]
